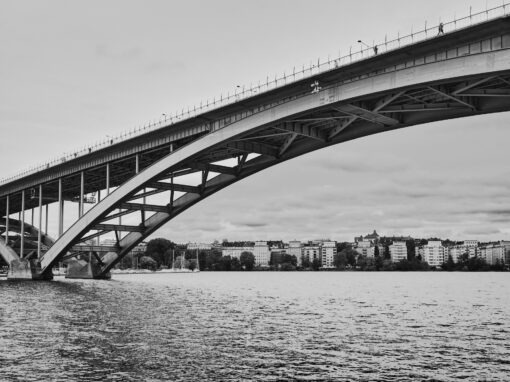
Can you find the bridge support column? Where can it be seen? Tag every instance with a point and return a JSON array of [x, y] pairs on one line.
[[25, 269], [83, 269]]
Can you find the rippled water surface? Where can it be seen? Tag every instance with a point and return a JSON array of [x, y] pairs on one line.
[[258, 326]]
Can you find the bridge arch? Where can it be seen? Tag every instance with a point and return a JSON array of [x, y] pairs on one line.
[[370, 105]]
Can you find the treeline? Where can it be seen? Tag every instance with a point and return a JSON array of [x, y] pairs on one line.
[[472, 264], [161, 253], [349, 259]]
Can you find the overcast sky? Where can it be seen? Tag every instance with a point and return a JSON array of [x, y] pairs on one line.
[[73, 72]]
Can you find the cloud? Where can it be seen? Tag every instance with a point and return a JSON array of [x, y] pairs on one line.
[[482, 231], [117, 53]]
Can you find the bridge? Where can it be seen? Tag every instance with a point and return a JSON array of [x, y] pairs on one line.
[[450, 72]]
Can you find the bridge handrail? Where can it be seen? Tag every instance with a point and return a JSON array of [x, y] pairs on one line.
[[306, 72]]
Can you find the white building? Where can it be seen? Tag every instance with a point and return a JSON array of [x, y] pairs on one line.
[[328, 252], [492, 253], [506, 244], [398, 251], [455, 252], [365, 248], [433, 253], [262, 253], [471, 247], [199, 246], [236, 251], [296, 249], [311, 252]]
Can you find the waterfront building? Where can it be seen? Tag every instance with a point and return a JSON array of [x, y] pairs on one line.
[[471, 247], [506, 245], [433, 253], [398, 251], [328, 253], [262, 253], [296, 249], [311, 252], [365, 248], [493, 253], [236, 251], [455, 252], [199, 246]]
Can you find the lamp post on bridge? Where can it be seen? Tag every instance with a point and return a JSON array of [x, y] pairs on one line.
[[374, 47]]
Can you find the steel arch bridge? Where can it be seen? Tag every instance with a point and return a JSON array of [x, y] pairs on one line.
[[459, 74]]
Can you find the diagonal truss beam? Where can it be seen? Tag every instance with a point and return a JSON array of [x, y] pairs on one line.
[[454, 98], [370, 115], [421, 107], [461, 88], [487, 93], [174, 187], [213, 168], [288, 142], [255, 147], [143, 207], [304, 130], [117, 227]]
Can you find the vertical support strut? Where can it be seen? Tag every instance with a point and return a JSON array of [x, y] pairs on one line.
[[60, 208], [82, 191], [22, 230], [7, 220], [108, 179], [137, 170], [98, 240], [39, 233], [46, 218]]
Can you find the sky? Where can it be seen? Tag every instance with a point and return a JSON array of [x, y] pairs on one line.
[[73, 73]]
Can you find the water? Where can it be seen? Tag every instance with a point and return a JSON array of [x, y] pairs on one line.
[[258, 326]]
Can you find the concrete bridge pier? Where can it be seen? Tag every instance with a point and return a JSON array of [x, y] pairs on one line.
[[85, 269], [27, 269]]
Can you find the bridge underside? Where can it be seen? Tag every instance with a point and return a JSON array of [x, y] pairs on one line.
[[148, 189]]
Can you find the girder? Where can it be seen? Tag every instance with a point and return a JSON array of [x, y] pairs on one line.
[[174, 187]]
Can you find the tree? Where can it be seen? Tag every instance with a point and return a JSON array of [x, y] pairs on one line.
[[213, 261], [316, 264], [476, 263], [376, 251], [147, 262], [340, 260], [411, 249], [192, 265], [498, 266], [290, 259], [351, 255], [366, 263], [235, 264], [387, 255], [287, 267], [449, 265], [306, 262], [159, 250], [226, 263], [379, 262], [247, 261]]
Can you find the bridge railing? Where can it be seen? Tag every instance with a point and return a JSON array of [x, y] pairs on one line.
[[275, 82]]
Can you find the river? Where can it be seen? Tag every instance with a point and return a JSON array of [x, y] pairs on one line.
[[263, 326]]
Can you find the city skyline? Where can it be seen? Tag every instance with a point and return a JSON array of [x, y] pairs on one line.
[[445, 179]]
